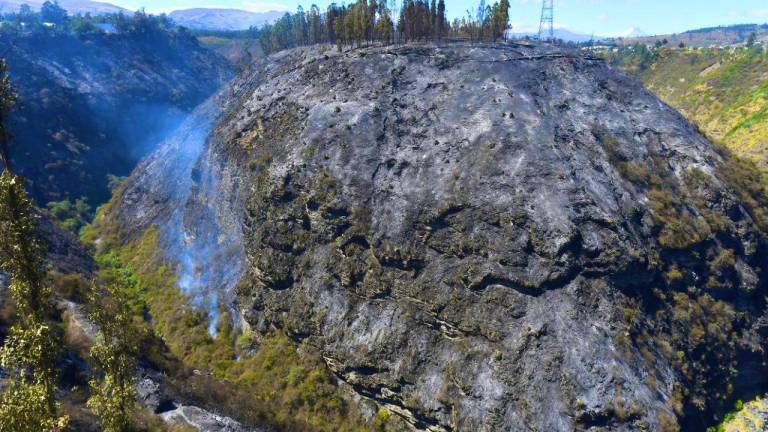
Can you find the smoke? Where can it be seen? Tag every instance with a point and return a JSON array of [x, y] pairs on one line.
[[200, 235], [143, 125], [195, 281]]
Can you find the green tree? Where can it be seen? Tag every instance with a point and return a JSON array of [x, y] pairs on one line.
[[751, 40], [433, 19], [362, 21], [331, 16], [385, 26], [53, 13], [315, 25], [29, 354], [339, 27], [350, 35], [500, 19], [7, 99], [83, 24], [300, 27], [442, 22], [72, 216], [113, 396], [26, 16]]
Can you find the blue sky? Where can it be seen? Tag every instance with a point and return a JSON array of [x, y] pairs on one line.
[[601, 17]]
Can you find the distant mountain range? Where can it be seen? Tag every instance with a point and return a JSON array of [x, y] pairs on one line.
[[196, 19], [222, 19], [561, 33], [74, 7], [718, 36], [704, 37], [572, 36]]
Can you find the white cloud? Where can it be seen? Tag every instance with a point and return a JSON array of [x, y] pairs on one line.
[[630, 32]]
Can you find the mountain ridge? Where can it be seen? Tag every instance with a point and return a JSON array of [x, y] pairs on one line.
[[222, 19], [74, 7]]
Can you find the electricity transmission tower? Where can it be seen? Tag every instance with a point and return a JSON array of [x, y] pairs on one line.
[[546, 26]]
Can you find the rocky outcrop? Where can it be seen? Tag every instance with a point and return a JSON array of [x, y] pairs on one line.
[[153, 396], [495, 237], [202, 420]]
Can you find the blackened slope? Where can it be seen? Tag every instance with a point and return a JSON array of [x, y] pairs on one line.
[[486, 237], [96, 104], [66, 254]]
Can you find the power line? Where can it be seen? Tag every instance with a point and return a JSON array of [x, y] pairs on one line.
[[546, 26]]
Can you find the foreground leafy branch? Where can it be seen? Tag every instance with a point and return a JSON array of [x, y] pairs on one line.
[[31, 347], [30, 350], [113, 397]]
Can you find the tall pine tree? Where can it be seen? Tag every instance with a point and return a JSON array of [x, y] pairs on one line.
[[442, 22]]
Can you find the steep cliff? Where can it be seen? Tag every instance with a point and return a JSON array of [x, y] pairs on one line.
[[475, 237]]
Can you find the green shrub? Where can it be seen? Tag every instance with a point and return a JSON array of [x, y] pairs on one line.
[[72, 216], [678, 228]]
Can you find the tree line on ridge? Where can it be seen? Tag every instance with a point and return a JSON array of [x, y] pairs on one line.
[[368, 21]]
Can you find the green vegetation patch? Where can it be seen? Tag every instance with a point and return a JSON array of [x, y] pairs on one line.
[[750, 185], [269, 380], [746, 417], [72, 216]]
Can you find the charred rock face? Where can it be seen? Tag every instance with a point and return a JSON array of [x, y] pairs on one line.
[[486, 238]]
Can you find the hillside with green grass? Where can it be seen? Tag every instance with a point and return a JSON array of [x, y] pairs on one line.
[[724, 91], [706, 37]]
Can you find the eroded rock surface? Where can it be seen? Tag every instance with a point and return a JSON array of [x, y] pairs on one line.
[[480, 237]]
